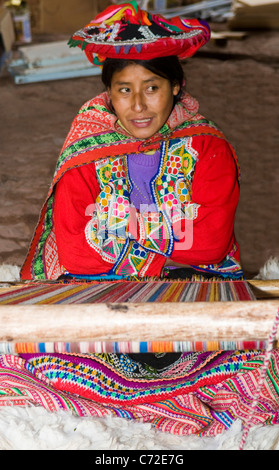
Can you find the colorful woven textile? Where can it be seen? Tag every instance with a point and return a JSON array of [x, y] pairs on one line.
[[128, 347], [125, 31], [200, 393], [127, 291]]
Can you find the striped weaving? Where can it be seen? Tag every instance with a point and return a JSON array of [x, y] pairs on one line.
[[128, 346], [201, 393], [127, 291]]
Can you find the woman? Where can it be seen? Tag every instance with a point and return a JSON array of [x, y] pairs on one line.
[[144, 183]]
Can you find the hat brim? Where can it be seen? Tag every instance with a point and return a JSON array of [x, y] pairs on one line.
[[142, 37]]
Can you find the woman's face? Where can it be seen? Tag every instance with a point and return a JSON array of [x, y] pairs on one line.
[[141, 99]]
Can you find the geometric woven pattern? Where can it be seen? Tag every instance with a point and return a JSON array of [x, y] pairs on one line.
[[200, 393], [127, 291]]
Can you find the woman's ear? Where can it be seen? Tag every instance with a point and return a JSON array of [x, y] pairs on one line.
[[175, 89], [110, 103]]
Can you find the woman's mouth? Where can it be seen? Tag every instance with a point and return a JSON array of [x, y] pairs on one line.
[[142, 122]]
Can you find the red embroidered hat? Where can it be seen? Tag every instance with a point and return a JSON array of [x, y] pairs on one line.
[[125, 31]]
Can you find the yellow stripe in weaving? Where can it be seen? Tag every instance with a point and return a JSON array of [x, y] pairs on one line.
[[57, 297]]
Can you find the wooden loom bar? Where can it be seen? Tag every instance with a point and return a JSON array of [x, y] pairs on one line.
[[265, 288], [197, 321]]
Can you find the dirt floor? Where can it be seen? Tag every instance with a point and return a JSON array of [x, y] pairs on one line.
[[237, 86]]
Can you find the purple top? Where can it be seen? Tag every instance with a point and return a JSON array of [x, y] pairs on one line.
[[142, 168]]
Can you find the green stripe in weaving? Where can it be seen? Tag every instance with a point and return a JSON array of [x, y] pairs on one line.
[[273, 377], [38, 266], [186, 124], [232, 386], [251, 364], [103, 109], [89, 143], [71, 405], [17, 391]]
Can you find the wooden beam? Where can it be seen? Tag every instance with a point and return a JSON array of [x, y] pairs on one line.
[[197, 321], [265, 289]]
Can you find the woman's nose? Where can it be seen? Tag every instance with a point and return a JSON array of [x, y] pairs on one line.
[[138, 102]]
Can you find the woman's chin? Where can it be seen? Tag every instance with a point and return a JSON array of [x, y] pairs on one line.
[[142, 133]]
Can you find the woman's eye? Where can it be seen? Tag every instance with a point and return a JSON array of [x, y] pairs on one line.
[[124, 90], [152, 88]]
